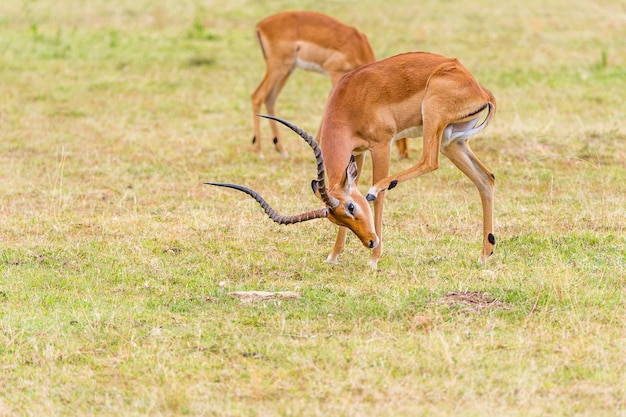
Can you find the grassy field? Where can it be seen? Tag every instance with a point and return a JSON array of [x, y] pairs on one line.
[[117, 264]]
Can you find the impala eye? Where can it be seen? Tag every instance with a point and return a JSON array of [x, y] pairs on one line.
[[351, 208]]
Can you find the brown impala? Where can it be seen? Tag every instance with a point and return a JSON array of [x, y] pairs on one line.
[[406, 95], [310, 41]]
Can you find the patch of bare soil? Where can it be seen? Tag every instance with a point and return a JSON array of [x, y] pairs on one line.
[[472, 300], [255, 296]]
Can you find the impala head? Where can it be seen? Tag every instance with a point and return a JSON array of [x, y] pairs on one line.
[[345, 205], [350, 208]]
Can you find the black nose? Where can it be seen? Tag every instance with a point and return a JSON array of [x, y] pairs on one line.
[[371, 244]]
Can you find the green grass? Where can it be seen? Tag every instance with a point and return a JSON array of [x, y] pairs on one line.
[[116, 262]]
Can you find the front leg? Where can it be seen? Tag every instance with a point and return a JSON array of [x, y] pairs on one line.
[[378, 225], [380, 169], [340, 244], [428, 163]]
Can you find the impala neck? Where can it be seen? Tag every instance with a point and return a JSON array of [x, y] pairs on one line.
[[336, 151]]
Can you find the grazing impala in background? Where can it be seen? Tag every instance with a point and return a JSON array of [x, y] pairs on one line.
[[311, 41], [409, 94]]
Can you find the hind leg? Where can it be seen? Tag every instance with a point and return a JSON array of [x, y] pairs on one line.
[[462, 156], [276, 75]]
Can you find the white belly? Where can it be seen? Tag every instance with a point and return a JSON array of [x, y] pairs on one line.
[[310, 66]]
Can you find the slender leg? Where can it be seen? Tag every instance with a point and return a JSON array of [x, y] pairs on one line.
[[429, 162], [378, 225], [403, 148], [380, 164], [258, 97], [462, 156], [266, 93], [340, 244], [270, 104]]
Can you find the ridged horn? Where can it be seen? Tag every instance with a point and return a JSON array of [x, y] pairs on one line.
[[328, 199], [278, 218]]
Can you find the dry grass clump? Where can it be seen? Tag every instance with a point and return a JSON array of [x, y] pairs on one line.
[[472, 301]]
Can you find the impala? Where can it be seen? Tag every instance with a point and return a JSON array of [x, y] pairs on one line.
[[310, 41], [415, 93]]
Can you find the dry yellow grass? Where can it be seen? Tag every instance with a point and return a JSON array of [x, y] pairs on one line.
[[116, 263]]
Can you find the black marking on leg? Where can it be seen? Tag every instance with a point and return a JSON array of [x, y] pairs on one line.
[[491, 238], [253, 140], [493, 176], [275, 141], [392, 184]]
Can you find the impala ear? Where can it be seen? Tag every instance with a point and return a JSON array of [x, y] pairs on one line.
[[351, 174], [316, 188]]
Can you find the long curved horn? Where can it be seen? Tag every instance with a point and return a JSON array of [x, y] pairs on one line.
[[328, 199], [278, 218]]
